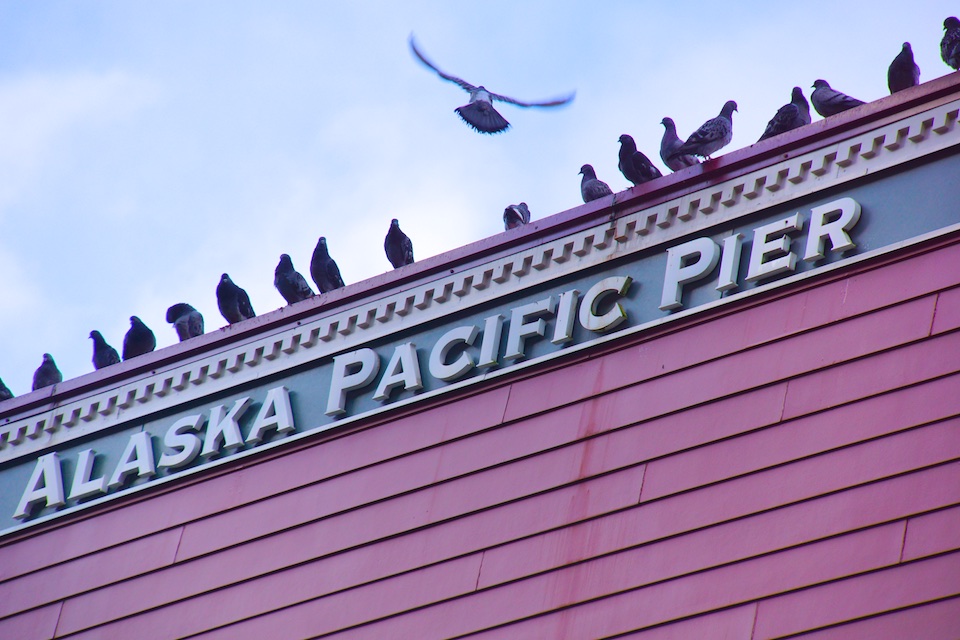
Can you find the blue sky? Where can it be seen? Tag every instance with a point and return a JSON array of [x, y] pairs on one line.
[[148, 147]]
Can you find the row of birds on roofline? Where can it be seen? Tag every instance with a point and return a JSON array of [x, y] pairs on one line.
[[713, 135]]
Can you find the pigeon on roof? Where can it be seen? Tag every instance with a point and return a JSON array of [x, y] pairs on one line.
[[397, 245], [828, 101], [323, 269], [288, 281], [634, 165], [669, 144], [233, 301], [950, 45], [713, 135], [47, 373], [792, 115], [5, 393], [590, 187], [516, 215], [186, 320], [479, 112], [103, 354], [139, 339], [903, 72]]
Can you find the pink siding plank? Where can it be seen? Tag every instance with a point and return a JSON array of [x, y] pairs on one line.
[[729, 624], [947, 317], [38, 624], [937, 621], [859, 596], [932, 533], [885, 371], [829, 515], [848, 424]]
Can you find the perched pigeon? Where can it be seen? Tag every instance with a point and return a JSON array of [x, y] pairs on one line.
[[792, 115], [713, 135], [903, 72], [634, 165], [479, 112], [323, 269], [186, 320], [103, 354], [5, 393], [590, 187], [669, 144], [139, 339], [47, 373], [398, 246], [828, 102], [233, 301], [950, 45], [516, 215], [288, 281]]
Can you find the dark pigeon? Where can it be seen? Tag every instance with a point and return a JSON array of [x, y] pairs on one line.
[[516, 215], [398, 246], [668, 146], [47, 373], [950, 45], [634, 165], [5, 393], [479, 112], [590, 187], [139, 339], [233, 301], [323, 269], [903, 72], [103, 354], [829, 102], [186, 320], [288, 281], [790, 116], [713, 135]]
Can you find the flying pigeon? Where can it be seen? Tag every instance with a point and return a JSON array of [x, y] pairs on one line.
[[590, 187], [233, 301], [713, 135], [186, 320], [792, 115], [903, 72], [47, 373], [139, 339], [323, 269], [103, 354], [634, 165], [5, 393], [398, 246], [950, 45], [516, 215], [828, 102], [670, 143], [288, 281], [479, 112]]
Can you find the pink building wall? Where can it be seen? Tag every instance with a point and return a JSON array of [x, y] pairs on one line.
[[784, 466]]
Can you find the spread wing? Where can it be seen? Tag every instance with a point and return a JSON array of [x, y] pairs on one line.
[[556, 102], [466, 86]]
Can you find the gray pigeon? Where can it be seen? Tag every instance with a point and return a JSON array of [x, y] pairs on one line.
[[479, 112], [234, 303], [5, 393], [903, 72], [323, 269], [139, 339], [790, 116], [288, 281], [103, 354], [950, 45], [713, 135], [590, 187], [47, 373], [397, 245], [516, 215], [186, 320], [829, 102], [669, 144], [634, 165]]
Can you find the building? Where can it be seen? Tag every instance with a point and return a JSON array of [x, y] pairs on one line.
[[724, 404]]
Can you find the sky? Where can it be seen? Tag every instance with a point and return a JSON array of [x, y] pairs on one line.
[[148, 147]]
